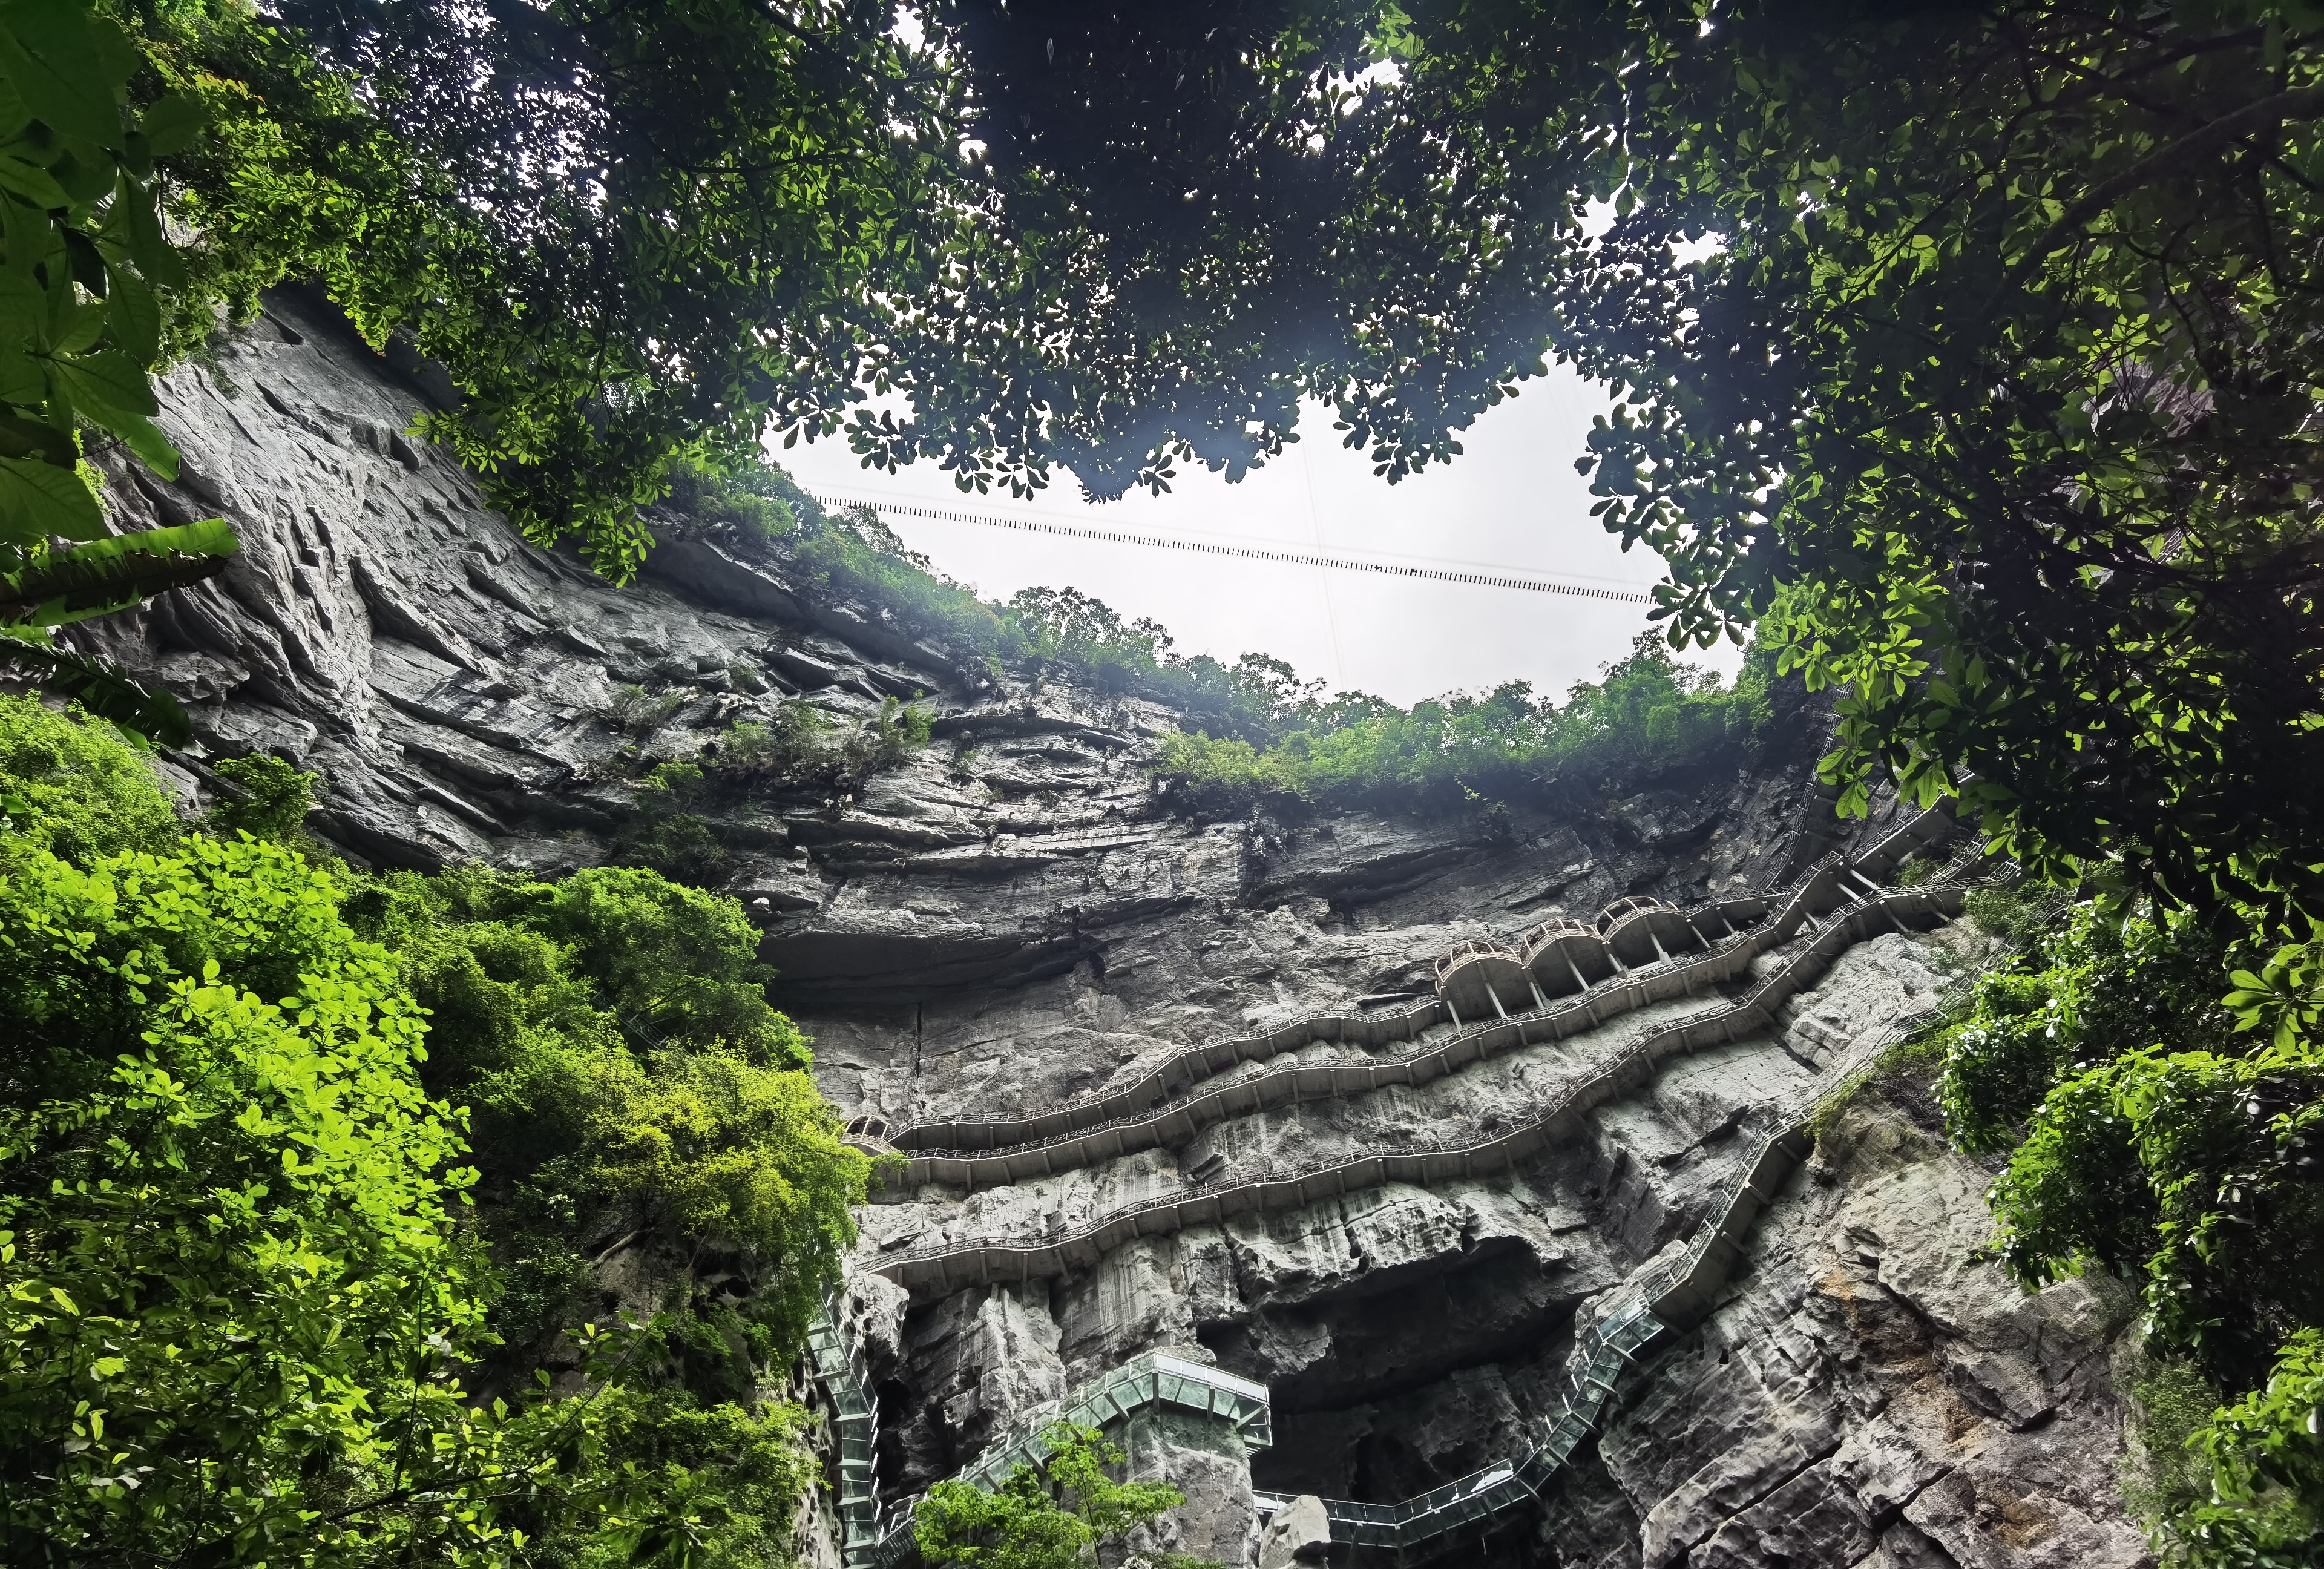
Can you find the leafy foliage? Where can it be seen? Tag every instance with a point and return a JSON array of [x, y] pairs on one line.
[[611, 1036], [2004, 354], [1050, 1516], [758, 187], [274, 799], [254, 1312], [802, 745], [83, 264], [2148, 1135], [72, 789], [2164, 1474], [2266, 1464], [750, 497], [1649, 715], [209, 1199]]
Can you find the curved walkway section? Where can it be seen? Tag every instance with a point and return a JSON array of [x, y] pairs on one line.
[[1542, 951], [869, 1536], [1717, 963], [959, 1139], [948, 1267], [1676, 1297]]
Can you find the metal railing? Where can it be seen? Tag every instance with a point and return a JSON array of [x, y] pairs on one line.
[[871, 1537], [856, 1424], [1178, 1074], [1671, 1295], [989, 1165], [1676, 1296], [951, 1265]]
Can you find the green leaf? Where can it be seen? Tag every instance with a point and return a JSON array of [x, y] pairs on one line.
[[144, 438], [50, 53], [38, 500], [21, 379], [148, 246], [33, 182], [24, 306], [23, 436], [84, 179], [29, 234], [105, 385], [74, 329], [135, 315], [102, 688], [172, 124]]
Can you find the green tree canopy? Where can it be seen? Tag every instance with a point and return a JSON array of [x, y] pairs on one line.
[[2000, 349], [639, 236], [2005, 353], [265, 1303], [1050, 1515]]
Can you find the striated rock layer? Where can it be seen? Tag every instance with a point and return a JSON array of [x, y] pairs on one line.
[[1012, 920]]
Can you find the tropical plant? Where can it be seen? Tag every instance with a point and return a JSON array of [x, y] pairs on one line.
[[83, 263]]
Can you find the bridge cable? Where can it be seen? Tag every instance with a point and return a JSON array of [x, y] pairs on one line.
[[1248, 552]]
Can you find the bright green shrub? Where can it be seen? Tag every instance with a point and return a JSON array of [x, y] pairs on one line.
[[244, 1281], [611, 1037], [714, 1486], [2174, 1403], [1050, 1516], [2146, 1135], [2011, 914], [275, 800], [803, 746], [2150, 1137], [74, 786], [1648, 715], [2265, 1503], [725, 1147], [237, 1297], [78, 988], [749, 497]]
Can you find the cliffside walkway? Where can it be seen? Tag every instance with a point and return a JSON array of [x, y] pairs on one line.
[[1668, 1297], [870, 1537], [1860, 909], [1672, 1297], [1562, 969]]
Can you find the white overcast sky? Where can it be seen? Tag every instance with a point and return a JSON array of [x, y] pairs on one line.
[[1512, 500]]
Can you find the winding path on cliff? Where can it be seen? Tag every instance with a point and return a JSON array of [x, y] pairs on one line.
[[1835, 905]]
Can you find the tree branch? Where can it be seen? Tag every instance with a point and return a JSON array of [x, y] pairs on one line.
[[2299, 104]]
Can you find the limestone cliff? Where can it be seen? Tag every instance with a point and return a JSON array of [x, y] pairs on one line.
[[1009, 927]]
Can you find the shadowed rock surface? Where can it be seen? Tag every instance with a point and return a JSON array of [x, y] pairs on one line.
[[995, 931]]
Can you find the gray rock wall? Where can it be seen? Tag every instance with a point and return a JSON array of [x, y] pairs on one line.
[[999, 930]]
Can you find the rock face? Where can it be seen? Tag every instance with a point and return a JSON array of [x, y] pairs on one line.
[[1013, 919], [1866, 1394]]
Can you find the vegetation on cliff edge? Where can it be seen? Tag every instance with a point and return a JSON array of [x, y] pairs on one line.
[[301, 1172]]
